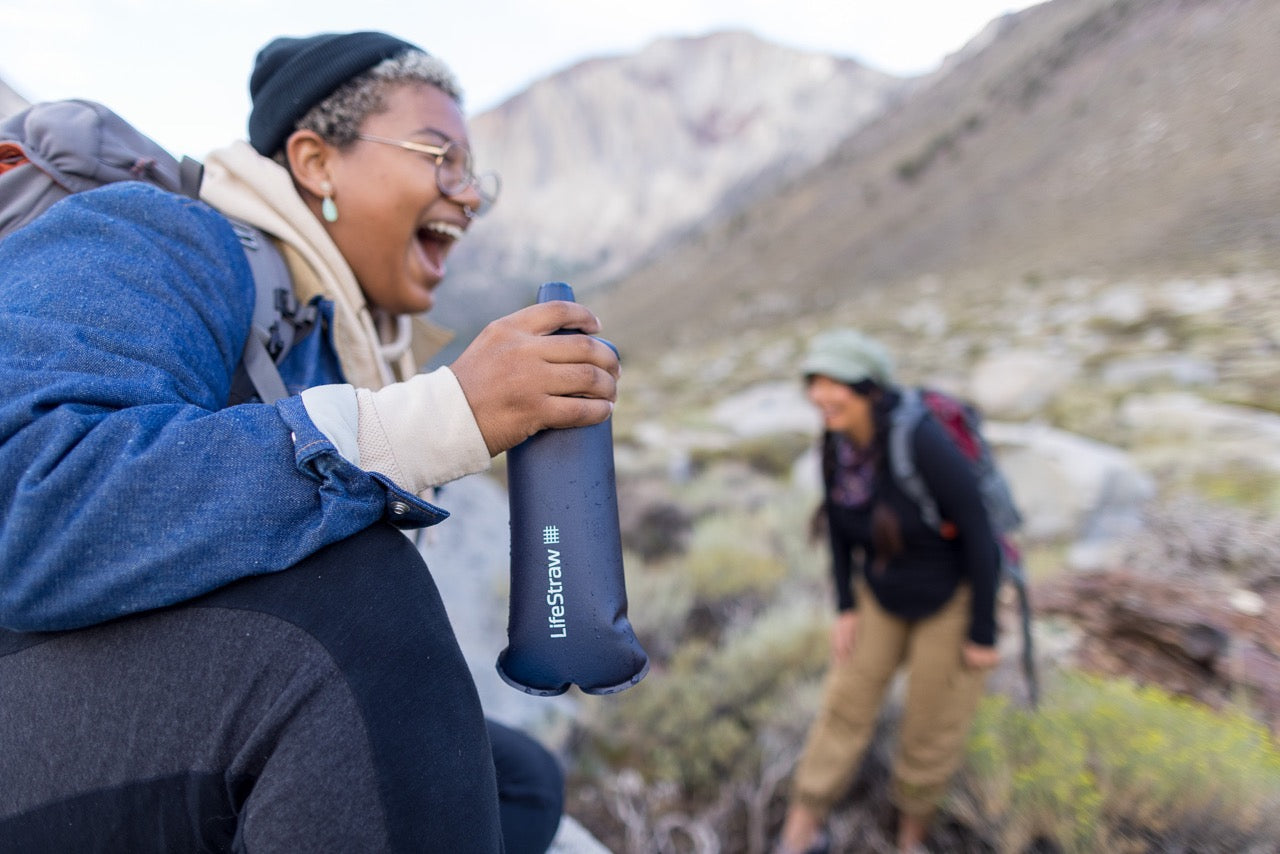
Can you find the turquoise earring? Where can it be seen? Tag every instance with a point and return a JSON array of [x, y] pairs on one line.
[[327, 208]]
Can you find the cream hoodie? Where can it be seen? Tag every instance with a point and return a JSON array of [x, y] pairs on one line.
[[417, 429]]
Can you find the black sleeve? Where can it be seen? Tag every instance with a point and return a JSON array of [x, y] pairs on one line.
[[950, 479], [841, 563]]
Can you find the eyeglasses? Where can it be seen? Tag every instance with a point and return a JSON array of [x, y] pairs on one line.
[[454, 169]]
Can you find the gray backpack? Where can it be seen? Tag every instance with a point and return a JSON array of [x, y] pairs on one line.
[[51, 150]]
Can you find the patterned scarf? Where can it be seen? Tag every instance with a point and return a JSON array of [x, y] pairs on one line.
[[853, 480]]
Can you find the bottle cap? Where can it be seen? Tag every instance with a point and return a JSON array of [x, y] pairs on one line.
[[551, 291]]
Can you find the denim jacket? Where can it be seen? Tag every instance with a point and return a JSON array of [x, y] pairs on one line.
[[127, 483]]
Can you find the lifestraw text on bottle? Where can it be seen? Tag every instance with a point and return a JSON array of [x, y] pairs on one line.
[[557, 620]]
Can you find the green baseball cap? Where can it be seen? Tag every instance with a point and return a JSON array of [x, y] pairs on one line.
[[848, 356]]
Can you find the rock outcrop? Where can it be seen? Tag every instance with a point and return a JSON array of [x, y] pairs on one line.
[[1202, 639]]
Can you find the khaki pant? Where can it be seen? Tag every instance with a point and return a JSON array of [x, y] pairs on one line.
[[942, 696]]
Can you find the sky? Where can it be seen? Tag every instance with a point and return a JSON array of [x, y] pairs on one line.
[[179, 69]]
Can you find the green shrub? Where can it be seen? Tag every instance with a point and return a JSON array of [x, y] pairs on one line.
[[659, 598], [697, 722], [720, 573], [731, 556], [735, 564], [1241, 485], [1112, 766]]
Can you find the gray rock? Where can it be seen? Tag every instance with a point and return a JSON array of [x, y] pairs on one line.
[[767, 408], [1017, 384], [1174, 367], [1068, 486], [573, 838], [1126, 305], [1182, 417]]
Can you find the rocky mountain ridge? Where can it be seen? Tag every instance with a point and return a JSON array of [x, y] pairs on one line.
[[608, 162], [1087, 138]]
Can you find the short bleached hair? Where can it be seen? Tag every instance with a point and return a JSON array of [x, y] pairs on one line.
[[337, 119]]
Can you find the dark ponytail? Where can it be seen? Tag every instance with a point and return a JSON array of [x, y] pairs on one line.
[[819, 521], [886, 527]]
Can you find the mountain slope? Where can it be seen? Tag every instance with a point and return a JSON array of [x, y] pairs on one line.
[[613, 158], [10, 101], [1119, 136]]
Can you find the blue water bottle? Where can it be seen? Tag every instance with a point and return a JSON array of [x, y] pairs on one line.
[[568, 614]]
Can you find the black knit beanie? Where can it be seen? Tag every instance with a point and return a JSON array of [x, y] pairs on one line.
[[292, 75]]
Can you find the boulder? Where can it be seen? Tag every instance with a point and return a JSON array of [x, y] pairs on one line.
[[1176, 368], [573, 838], [1169, 424], [1069, 486], [766, 409], [1125, 305], [1018, 384]]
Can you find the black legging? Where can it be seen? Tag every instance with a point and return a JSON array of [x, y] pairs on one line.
[[325, 708]]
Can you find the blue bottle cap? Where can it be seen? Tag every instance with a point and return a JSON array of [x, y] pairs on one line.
[[551, 291]]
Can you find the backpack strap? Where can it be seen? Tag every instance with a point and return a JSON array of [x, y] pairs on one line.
[[278, 320], [902, 460], [1011, 568], [190, 174]]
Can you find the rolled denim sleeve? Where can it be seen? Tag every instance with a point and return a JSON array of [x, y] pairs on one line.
[[126, 485], [316, 454]]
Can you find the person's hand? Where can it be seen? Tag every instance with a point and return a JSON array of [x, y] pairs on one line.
[[843, 634], [979, 657], [519, 378]]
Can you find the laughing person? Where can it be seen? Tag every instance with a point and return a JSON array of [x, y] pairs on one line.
[[213, 635]]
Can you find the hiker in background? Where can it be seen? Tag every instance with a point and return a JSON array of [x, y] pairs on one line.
[[215, 635], [906, 596]]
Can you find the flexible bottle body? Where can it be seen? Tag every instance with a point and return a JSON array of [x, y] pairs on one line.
[[568, 620]]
